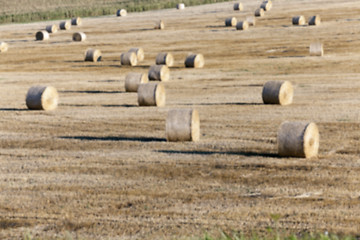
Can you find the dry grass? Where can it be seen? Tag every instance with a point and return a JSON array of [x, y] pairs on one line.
[[99, 167]]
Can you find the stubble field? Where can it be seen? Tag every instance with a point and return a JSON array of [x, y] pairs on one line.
[[99, 166]]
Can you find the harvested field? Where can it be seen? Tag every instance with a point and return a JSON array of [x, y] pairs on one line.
[[99, 167]]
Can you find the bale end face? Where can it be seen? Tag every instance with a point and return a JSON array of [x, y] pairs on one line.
[[183, 125], [42, 98], [298, 139], [195, 61], [277, 92], [3, 47]]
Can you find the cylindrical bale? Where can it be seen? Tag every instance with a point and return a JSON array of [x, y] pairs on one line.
[[183, 125], [259, 12], [93, 55], [244, 25], [159, 73], [251, 20], [160, 25], [3, 47], [121, 13], [316, 49], [151, 94], [42, 35], [266, 5], [51, 28], [79, 37], [231, 22], [76, 21], [278, 92], [238, 7], [65, 25], [133, 80], [180, 6], [298, 139], [128, 58], [42, 98], [315, 20], [195, 61], [164, 59], [139, 53], [298, 20]]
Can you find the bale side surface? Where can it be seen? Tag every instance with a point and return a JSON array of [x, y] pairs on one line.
[[151, 94], [42, 98], [93, 55], [195, 61], [182, 125], [133, 80], [277, 92], [298, 139], [164, 59], [159, 73]]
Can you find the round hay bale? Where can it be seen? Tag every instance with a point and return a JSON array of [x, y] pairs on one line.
[[133, 80], [195, 61], [244, 25], [182, 125], [76, 21], [42, 98], [121, 13], [160, 25], [79, 37], [51, 28], [231, 22], [298, 20], [277, 92], [266, 5], [65, 25], [159, 72], [180, 6], [139, 53], [93, 55], [259, 12], [128, 58], [238, 7], [151, 94], [42, 36], [298, 139], [3, 47], [316, 49], [251, 20], [315, 20], [165, 59]]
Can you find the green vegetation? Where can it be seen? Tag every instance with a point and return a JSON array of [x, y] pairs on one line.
[[63, 11]]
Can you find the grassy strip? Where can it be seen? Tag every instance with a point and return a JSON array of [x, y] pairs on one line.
[[92, 11]]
